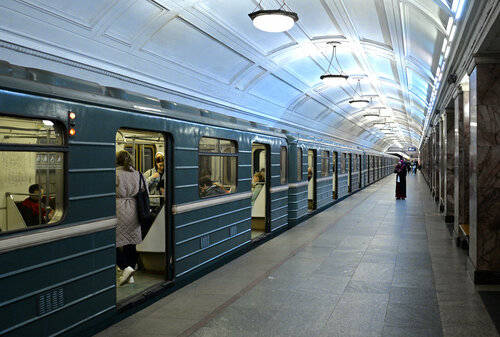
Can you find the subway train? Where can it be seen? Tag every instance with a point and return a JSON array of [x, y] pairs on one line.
[[61, 134]]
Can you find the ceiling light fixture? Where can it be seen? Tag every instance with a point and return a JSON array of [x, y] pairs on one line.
[[334, 79], [273, 20], [371, 116], [359, 102]]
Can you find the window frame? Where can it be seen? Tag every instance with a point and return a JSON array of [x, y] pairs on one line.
[[325, 163], [283, 165], [234, 154], [62, 148]]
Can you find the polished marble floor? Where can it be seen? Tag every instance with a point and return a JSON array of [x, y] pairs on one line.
[[368, 266]]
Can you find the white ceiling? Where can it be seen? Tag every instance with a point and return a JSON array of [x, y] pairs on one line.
[[208, 54]]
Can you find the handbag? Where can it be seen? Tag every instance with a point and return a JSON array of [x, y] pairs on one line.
[[143, 212]]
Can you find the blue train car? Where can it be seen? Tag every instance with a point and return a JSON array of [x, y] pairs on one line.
[[226, 185]]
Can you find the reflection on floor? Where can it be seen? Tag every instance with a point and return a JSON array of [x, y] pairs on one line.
[[142, 280], [257, 233]]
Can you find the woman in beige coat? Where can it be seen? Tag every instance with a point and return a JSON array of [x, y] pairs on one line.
[[128, 229]]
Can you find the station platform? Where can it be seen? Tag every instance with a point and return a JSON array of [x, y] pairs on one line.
[[370, 265]]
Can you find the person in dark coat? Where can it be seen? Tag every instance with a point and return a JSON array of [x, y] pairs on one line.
[[209, 188], [400, 171]]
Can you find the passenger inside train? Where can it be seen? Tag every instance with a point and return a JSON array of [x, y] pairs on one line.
[[209, 188], [156, 183], [258, 183], [34, 212]]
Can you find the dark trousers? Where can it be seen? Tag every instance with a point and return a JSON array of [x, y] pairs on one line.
[[126, 256]]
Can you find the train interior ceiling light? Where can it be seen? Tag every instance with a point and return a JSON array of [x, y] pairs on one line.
[[273, 20], [334, 79]]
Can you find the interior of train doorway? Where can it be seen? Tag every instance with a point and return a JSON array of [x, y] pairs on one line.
[[153, 256], [261, 175], [360, 169], [349, 171], [334, 175], [311, 177]]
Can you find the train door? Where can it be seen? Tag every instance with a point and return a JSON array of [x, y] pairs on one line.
[[368, 169], [360, 171], [311, 177], [260, 189], [349, 172], [334, 174], [152, 257]]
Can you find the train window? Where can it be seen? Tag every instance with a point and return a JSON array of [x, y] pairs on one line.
[[325, 159], [283, 167], [32, 188], [354, 163], [217, 167], [342, 163], [299, 164]]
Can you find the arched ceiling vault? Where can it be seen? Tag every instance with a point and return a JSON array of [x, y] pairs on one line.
[[208, 54]]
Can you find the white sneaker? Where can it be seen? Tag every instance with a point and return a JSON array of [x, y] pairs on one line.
[[131, 280], [127, 274]]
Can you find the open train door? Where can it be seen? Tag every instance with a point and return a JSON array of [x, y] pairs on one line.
[[261, 169], [154, 267]]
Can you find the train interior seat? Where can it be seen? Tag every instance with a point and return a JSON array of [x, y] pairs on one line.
[[152, 248], [310, 189], [259, 211], [15, 219]]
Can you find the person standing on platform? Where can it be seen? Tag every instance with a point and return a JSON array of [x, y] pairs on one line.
[[400, 171], [128, 228]]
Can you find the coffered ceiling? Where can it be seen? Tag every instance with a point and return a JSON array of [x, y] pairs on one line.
[[208, 54]]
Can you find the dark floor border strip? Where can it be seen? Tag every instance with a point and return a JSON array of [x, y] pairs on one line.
[[262, 277]]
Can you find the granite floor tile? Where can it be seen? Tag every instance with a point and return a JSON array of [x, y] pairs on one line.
[[413, 316], [368, 287], [421, 296], [395, 331]]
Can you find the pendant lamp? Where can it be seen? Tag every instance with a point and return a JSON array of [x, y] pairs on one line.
[[273, 20], [359, 103], [338, 78]]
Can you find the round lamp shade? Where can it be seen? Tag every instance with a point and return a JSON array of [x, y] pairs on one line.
[[274, 21], [359, 103], [336, 79]]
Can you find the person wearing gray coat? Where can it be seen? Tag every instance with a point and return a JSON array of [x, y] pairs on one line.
[[128, 228]]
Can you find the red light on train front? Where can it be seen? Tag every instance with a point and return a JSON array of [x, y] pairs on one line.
[[72, 132]]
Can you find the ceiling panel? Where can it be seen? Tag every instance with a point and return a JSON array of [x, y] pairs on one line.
[[141, 13], [85, 13], [384, 68], [275, 90], [370, 20], [317, 18], [184, 44], [310, 108], [305, 69], [422, 36]]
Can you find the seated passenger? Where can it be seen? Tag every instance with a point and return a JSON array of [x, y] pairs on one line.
[[258, 183], [209, 188], [30, 208], [206, 173]]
